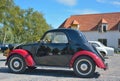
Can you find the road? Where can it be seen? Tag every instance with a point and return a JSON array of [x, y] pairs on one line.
[[58, 74]]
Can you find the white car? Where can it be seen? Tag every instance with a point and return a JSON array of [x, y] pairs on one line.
[[104, 50]]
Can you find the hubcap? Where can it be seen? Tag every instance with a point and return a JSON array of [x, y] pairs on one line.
[[16, 64], [84, 67]]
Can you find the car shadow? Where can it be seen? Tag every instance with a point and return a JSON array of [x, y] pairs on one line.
[[48, 72]]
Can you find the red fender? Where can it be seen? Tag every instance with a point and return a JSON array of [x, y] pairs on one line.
[[96, 59], [28, 58]]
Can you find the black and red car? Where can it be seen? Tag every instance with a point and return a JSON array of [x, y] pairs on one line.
[[59, 48]]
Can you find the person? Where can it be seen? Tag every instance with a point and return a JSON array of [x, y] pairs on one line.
[[6, 49]]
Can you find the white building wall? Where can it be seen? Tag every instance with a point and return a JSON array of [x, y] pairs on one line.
[[111, 36]]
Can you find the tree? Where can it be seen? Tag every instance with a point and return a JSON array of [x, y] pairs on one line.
[[5, 5], [20, 25], [35, 25]]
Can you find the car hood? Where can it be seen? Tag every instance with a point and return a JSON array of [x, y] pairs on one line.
[[109, 48]]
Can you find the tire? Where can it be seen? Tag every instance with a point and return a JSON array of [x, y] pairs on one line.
[[84, 67], [16, 64]]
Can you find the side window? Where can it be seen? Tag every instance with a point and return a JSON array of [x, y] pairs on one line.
[[60, 37], [55, 37], [48, 38]]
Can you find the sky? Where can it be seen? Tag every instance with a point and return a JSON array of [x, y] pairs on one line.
[[57, 11]]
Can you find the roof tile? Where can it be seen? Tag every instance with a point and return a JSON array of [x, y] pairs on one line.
[[89, 22]]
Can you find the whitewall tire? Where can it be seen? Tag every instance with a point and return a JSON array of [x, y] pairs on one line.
[[16, 64], [84, 66]]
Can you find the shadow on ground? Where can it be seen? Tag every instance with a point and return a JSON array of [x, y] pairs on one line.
[[44, 72], [2, 59]]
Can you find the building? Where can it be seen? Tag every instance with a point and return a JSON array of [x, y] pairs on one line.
[[103, 27]]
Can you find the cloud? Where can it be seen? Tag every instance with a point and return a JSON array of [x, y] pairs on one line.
[[116, 3], [112, 2], [84, 11], [68, 2], [101, 1]]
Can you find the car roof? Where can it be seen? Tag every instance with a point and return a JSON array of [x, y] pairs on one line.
[[62, 30], [72, 34]]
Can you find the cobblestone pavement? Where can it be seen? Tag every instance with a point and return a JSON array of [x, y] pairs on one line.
[[42, 74]]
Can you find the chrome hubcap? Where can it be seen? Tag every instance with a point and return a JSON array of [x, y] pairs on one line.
[[84, 67], [16, 64]]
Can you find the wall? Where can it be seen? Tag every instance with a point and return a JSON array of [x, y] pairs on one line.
[[111, 36]]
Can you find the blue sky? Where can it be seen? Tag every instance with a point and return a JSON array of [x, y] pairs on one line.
[[56, 11]]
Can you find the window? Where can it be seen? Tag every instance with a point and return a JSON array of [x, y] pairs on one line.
[[103, 27], [56, 37], [48, 38], [118, 43], [103, 41], [95, 44], [60, 38]]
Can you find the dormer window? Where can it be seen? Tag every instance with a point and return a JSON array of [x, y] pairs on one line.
[[103, 26], [75, 25]]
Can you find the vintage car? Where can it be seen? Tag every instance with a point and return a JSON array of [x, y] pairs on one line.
[[58, 48], [104, 50]]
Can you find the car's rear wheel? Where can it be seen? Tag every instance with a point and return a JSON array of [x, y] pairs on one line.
[[16, 64], [84, 66]]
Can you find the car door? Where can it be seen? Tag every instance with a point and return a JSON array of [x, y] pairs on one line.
[[54, 50]]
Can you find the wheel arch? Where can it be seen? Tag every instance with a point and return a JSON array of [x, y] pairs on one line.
[[89, 54], [25, 54], [84, 56]]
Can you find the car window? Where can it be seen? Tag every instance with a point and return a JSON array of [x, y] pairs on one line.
[[48, 38], [60, 37], [95, 45], [55, 37]]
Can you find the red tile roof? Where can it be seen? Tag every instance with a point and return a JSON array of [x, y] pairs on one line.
[[89, 22]]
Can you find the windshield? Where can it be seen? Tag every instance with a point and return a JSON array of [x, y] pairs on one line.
[[102, 44]]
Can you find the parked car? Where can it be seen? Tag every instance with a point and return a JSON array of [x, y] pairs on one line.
[[60, 48], [104, 50]]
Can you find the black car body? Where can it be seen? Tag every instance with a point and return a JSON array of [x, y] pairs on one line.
[[58, 47]]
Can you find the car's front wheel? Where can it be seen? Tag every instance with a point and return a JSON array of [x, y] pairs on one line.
[[16, 64], [84, 66]]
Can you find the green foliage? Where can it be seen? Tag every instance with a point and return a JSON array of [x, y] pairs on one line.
[[20, 25]]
